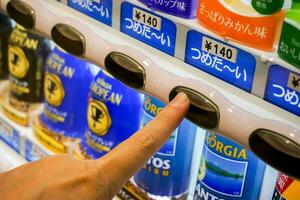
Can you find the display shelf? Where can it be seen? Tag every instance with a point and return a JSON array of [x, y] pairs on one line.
[[21, 139]]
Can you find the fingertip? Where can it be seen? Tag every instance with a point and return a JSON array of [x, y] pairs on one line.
[[180, 100]]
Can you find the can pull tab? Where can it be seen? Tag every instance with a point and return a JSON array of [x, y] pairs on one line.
[[69, 39], [22, 13], [277, 150], [126, 69], [202, 111]]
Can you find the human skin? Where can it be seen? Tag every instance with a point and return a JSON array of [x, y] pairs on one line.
[[64, 177]]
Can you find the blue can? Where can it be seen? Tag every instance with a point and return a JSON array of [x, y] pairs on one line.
[[113, 114], [167, 173], [182, 8], [66, 88], [228, 171]]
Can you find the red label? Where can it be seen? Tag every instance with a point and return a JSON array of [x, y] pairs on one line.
[[283, 182]]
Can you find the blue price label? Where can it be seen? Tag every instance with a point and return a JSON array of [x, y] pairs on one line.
[[149, 28], [33, 152], [9, 135], [100, 10], [283, 89], [224, 61]]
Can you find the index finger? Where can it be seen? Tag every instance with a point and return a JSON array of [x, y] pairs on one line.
[[131, 155]]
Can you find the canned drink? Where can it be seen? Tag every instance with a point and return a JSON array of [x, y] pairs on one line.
[[228, 18], [66, 87], [113, 115], [27, 53], [183, 8], [289, 45], [5, 30], [286, 188], [228, 171], [267, 7], [167, 173]]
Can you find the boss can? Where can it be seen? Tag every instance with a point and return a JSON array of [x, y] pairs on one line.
[[27, 53], [5, 29], [113, 115], [66, 87]]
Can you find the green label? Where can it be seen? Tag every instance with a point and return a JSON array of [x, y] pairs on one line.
[[289, 46], [267, 7]]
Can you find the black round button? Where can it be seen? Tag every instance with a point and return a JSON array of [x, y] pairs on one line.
[[126, 69], [69, 39], [202, 111], [277, 150], [22, 13]]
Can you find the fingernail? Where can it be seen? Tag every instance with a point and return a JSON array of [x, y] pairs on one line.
[[179, 100]]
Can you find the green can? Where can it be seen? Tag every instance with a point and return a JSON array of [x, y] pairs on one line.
[[289, 45], [267, 7]]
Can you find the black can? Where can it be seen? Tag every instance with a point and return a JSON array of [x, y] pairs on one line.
[[5, 30], [27, 54]]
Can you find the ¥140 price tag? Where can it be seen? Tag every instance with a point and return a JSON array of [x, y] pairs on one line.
[[219, 49], [283, 89], [225, 61], [147, 19], [148, 27]]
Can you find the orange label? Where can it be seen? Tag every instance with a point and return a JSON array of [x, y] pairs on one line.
[[260, 32]]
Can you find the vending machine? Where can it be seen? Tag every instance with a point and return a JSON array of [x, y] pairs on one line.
[[238, 62]]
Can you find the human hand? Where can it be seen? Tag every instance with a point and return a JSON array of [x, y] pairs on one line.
[[64, 177]]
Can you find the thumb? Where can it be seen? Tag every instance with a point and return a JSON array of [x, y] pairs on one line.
[[131, 155]]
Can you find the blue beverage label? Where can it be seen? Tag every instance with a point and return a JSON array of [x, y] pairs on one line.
[[150, 28], [182, 8], [224, 61], [113, 115], [9, 135], [100, 10], [170, 146], [283, 89], [66, 88], [167, 173], [227, 171], [33, 152]]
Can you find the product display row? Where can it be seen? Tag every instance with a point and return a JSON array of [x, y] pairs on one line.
[[82, 110]]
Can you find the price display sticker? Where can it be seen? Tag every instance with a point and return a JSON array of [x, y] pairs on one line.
[[9, 135], [152, 29], [226, 62], [100, 10], [283, 89], [33, 152]]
